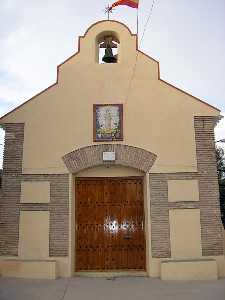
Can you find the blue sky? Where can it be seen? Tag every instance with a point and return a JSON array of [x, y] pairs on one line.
[[186, 37]]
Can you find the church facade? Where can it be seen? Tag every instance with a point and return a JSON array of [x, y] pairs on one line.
[[111, 170]]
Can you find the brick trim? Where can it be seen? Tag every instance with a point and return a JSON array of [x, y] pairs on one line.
[[211, 225], [58, 208], [10, 205], [91, 156], [12, 168], [160, 229], [13, 150]]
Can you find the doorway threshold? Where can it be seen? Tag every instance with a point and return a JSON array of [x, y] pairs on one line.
[[111, 274]]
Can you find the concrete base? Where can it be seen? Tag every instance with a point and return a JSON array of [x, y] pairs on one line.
[[189, 270], [28, 269]]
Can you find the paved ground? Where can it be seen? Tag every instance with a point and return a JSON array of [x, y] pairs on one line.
[[110, 289]]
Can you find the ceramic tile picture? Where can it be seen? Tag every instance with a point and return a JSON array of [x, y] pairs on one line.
[[108, 122]]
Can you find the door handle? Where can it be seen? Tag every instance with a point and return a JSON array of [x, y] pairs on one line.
[[127, 237]]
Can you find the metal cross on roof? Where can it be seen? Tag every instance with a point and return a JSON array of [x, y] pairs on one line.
[[108, 10]]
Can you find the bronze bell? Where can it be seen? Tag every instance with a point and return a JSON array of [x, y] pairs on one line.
[[109, 58]]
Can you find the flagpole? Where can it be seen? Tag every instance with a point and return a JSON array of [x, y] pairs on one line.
[[137, 26]]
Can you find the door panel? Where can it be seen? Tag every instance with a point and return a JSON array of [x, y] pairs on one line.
[[109, 224]]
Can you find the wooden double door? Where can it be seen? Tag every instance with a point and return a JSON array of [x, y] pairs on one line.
[[109, 230]]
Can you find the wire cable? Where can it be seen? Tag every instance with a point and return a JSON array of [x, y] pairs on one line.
[[148, 20], [137, 54]]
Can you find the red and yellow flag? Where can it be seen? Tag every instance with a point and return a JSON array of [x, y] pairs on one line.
[[131, 3]]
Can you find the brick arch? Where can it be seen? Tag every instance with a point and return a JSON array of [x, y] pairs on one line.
[[91, 156]]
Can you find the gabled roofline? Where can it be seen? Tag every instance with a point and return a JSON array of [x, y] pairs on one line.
[[78, 51], [173, 86]]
